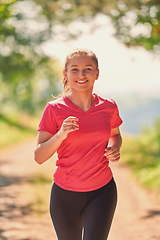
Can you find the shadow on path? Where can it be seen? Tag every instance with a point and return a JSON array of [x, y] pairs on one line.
[[17, 217]]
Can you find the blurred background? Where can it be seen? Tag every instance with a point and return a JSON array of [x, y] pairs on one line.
[[36, 36]]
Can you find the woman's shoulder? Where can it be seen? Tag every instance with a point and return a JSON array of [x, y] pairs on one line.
[[56, 102], [108, 101]]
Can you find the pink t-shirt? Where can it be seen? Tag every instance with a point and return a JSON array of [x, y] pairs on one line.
[[81, 164]]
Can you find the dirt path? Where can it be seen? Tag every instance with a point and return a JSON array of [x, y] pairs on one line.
[[137, 216]]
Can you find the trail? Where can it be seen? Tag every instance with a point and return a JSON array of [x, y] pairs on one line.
[[138, 212], [137, 215]]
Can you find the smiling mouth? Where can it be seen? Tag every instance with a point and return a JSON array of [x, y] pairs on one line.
[[82, 82]]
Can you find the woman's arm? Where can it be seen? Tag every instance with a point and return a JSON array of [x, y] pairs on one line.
[[112, 152], [47, 144]]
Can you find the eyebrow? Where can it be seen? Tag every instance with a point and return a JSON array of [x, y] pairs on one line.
[[86, 65]]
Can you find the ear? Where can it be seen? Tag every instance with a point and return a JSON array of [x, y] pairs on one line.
[[65, 76], [64, 73], [97, 74]]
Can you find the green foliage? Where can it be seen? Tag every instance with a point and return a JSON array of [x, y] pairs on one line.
[[27, 76], [13, 129], [142, 154], [137, 22]]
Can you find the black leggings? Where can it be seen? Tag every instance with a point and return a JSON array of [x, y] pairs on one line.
[[90, 213]]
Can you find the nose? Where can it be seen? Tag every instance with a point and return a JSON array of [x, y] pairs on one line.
[[81, 73]]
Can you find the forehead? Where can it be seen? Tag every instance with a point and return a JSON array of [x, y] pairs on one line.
[[81, 61]]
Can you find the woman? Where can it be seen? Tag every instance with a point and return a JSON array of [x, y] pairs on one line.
[[84, 130]]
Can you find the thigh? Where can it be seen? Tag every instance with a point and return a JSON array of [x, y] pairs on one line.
[[66, 213], [99, 212]]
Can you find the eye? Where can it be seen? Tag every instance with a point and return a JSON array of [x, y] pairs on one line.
[[88, 69], [74, 69]]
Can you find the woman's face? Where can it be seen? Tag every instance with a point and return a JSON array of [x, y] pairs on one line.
[[81, 73]]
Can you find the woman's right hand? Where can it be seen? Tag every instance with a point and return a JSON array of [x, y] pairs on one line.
[[69, 125], [47, 144]]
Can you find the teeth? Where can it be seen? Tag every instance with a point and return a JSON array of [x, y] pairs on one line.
[[81, 81]]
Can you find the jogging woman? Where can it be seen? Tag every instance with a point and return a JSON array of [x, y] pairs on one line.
[[83, 129]]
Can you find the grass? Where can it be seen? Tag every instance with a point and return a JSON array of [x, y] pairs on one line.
[[16, 128], [38, 189], [142, 155]]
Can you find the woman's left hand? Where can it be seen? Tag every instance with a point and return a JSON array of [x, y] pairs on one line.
[[112, 153]]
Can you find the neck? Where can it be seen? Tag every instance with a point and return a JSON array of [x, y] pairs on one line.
[[82, 100]]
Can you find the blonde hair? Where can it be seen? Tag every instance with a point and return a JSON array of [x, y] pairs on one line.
[[76, 53]]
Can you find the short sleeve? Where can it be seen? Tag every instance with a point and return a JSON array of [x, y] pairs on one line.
[[116, 121], [48, 121]]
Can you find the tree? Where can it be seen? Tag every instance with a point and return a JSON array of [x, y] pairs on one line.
[[27, 76], [136, 22]]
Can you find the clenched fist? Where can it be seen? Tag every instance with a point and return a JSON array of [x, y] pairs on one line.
[[69, 125], [112, 153]]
